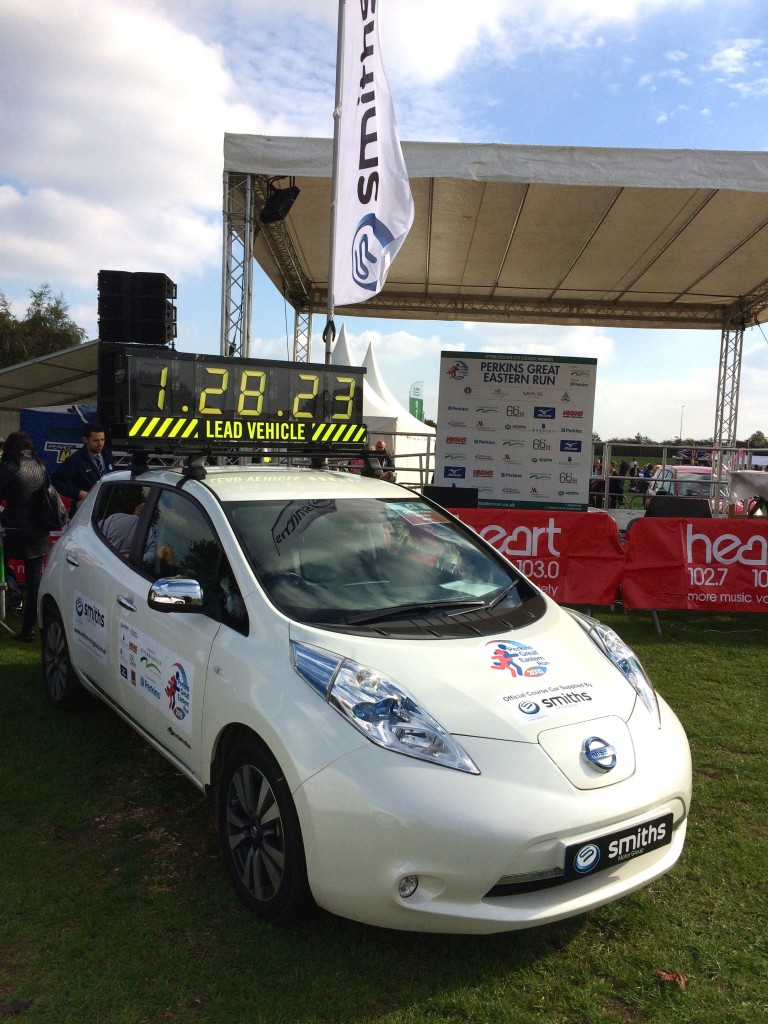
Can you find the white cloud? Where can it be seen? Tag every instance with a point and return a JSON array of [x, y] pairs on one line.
[[112, 131], [734, 59]]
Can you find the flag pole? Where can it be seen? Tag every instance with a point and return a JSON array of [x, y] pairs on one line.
[[329, 332]]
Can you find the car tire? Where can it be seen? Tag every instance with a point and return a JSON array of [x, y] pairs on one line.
[[63, 689], [260, 835]]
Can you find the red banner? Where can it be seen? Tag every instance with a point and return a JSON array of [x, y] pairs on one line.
[[716, 565], [576, 557]]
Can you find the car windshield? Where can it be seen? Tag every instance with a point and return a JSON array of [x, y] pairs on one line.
[[350, 562], [693, 485]]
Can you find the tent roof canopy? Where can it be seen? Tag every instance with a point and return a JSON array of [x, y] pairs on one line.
[[534, 234], [63, 378]]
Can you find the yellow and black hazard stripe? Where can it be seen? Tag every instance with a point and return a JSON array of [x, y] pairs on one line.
[[177, 428], [339, 433]]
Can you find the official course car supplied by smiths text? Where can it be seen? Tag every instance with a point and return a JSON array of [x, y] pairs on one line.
[[388, 719]]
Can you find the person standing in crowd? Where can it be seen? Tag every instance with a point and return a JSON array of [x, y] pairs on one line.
[[385, 461], [76, 475], [23, 479]]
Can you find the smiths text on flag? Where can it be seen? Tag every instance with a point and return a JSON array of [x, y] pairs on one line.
[[374, 202]]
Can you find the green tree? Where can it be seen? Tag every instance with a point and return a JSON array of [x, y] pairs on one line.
[[757, 440], [46, 327]]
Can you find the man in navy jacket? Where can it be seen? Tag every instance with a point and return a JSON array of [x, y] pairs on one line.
[[76, 475]]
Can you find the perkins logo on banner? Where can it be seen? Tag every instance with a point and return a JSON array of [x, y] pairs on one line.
[[374, 205]]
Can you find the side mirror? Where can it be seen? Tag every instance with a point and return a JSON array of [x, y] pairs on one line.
[[175, 595]]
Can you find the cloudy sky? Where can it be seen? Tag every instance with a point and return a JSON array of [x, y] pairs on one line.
[[113, 113]]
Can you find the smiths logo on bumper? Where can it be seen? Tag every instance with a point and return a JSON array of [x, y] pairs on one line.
[[174, 428]]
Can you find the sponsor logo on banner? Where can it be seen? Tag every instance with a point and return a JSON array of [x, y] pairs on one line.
[[373, 198], [576, 414], [570, 446], [524, 541], [458, 370], [544, 412], [455, 440], [727, 549], [454, 472], [482, 472]]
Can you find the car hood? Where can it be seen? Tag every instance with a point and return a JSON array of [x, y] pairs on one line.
[[508, 686]]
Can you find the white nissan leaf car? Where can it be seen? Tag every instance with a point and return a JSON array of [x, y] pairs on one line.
[[388, 719]]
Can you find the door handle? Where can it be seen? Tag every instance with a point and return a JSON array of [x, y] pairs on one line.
[[73, 561], [126, 602]]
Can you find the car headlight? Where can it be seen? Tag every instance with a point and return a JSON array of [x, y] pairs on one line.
[[380, 709], [623, 657]]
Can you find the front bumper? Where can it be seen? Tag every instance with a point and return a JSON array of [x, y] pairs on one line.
[[373, 817]]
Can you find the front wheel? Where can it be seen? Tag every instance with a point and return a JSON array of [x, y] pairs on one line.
[[62, 687], [260, 835]]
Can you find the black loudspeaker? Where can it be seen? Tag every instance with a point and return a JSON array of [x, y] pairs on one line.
[[667, 506], [279, 201], [451, 497], [136, 308]]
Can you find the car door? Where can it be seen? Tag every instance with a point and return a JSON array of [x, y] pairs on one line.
[[162, 657]]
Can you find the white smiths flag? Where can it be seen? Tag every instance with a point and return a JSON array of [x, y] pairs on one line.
[[374, 203]]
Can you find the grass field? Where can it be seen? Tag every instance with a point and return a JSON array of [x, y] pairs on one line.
[[115, 908]]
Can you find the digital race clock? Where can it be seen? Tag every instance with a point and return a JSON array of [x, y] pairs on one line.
[[161, 397]]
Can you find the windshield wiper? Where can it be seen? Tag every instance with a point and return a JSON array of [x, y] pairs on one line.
[[404, 610], [505, 593]]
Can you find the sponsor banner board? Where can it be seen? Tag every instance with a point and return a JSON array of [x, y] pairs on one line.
[[575, 557], [718, 565], [516, 427]]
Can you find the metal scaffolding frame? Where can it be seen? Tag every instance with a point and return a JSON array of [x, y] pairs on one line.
[[244, 199]]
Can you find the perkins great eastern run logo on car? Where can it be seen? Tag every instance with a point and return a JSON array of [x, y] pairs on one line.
[[177, 691], [520, 661]]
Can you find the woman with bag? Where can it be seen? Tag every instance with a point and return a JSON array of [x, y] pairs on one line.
[[23, 481]]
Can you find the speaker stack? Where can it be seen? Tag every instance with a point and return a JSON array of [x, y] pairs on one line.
[[136, 308]]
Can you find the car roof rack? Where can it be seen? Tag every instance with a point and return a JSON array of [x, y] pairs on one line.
[[318, 457]]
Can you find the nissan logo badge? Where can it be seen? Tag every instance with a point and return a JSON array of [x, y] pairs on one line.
[[600, 753]]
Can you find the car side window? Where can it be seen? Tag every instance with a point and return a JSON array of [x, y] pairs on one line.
[[181, 542], [116, 515]]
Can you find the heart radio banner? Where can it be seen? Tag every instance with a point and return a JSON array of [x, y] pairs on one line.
[[701, 564]]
